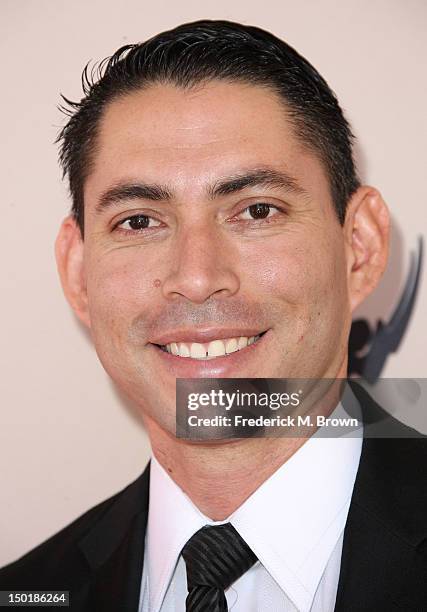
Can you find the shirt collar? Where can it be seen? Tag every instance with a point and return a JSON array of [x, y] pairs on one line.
[[292, 521], [172, 520]]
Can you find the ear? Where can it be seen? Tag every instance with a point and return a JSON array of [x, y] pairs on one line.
[[69, 254], [366, 228]]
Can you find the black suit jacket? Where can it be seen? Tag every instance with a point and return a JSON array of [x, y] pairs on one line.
[[99, 556]]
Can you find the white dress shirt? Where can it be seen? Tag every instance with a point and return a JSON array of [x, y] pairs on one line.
[[293, 522]]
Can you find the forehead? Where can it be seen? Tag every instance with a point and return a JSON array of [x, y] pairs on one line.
[[187, 138]]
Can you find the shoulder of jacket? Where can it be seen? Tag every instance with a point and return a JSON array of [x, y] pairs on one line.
[[51, 557]]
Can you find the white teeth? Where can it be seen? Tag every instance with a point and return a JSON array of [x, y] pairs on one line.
[[242, 343], [216, 348], [183, 350], [231, 346], [197, 350]]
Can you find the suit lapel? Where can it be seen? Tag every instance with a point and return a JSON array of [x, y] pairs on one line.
[[373, 564], [386, 521], [114, 549]]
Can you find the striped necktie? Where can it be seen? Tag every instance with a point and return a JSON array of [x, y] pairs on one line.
[[215, 557]]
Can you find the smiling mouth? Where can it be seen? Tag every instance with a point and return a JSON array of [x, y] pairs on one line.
[[209, 350]]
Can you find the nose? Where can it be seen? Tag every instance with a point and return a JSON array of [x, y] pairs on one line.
[[202, 264]]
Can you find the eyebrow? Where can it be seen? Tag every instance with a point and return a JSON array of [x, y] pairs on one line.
[[259, 177]]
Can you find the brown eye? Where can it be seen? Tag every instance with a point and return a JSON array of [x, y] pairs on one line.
[[138, 222], [259, 211]]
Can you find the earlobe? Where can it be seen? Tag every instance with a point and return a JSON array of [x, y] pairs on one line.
[[367, 228], [69, 254]]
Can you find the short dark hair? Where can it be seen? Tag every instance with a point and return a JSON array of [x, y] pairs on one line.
[[198, 52]]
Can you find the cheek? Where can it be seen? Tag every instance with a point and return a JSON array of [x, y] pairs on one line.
[[305, 281], [293, 272], [118, 288]]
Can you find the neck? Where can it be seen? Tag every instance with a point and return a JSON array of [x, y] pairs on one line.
[[219, 476]]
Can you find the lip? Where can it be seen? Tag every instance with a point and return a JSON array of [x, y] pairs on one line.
[[233, 365], [206, 334]]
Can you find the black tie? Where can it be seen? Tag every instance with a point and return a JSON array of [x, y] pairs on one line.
[[215, 557]]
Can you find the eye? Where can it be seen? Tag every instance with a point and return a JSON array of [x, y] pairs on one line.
[[136, 223], [260, 210]]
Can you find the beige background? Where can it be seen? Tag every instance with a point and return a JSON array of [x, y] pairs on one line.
[[67, 440]]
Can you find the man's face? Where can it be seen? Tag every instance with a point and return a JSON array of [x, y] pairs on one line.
[[221, 244]]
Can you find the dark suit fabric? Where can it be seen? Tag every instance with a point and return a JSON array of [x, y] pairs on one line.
[[99, 556]]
